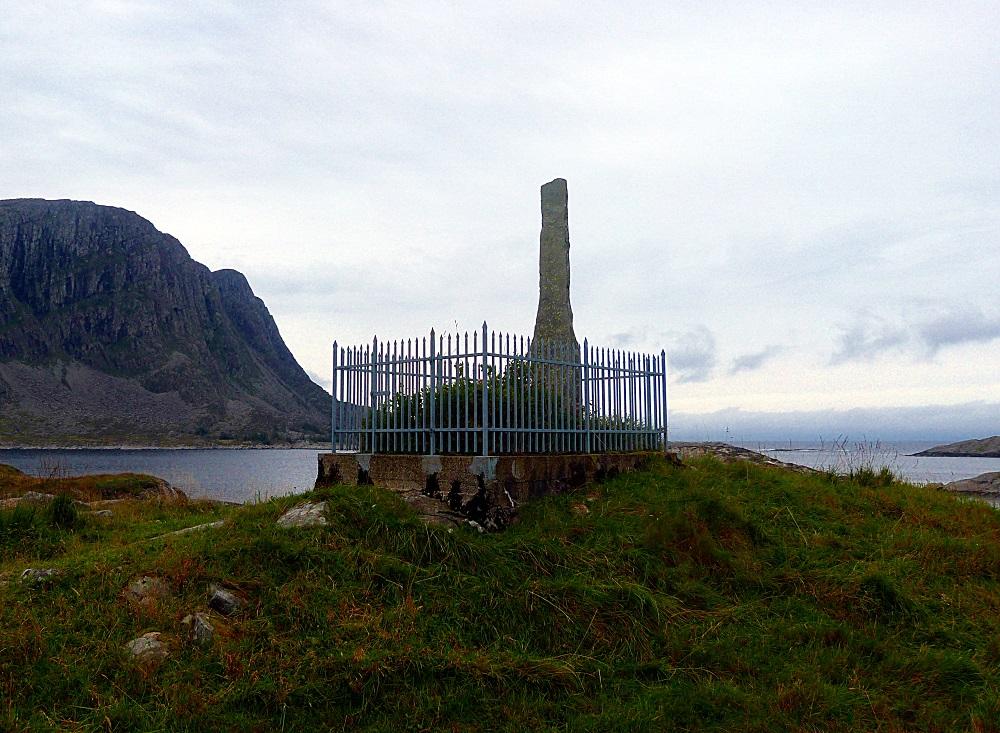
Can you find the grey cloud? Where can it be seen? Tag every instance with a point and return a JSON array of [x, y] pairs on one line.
[[625, 339], [958, 328], [692, 355], [870, 336], [866, 339], [754, 361]]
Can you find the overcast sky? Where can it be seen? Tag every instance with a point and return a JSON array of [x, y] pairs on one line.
[[800, 201]]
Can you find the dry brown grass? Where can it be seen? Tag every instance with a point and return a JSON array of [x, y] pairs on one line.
[[96, 487]]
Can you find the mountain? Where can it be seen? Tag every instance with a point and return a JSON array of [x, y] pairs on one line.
[[111, 333], [983, 448]]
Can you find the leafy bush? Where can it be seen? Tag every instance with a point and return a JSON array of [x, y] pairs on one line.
[[62, 513], [525, 395]]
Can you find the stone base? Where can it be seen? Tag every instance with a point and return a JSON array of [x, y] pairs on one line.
[[484, 489]]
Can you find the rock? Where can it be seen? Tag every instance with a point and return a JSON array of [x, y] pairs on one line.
[[148, 647], [554, 320], [102, 513], [223, 601], [987, 483], [37, 576], [982, 447], [200, 628], [147, 590], [310, 514], [678, 452], [186, 530], [36, 497]]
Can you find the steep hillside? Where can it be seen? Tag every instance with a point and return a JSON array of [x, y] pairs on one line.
[[110, 332]]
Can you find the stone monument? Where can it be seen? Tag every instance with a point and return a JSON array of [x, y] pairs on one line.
[[554, 321]]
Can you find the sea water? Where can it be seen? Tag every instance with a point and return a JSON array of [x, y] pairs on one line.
[[215, 473], [250, 474], [898, 457]]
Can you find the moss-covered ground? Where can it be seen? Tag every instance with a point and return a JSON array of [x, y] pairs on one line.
[[719, 596]]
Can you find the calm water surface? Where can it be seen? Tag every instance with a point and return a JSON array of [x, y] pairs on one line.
[[229, 475], [897, 456], [246, 475]]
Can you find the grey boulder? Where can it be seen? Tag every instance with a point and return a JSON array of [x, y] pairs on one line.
[[310, 514], [148, 647], [225, 602]]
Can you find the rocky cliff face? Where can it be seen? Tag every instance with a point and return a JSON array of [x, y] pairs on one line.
[[109, 331]]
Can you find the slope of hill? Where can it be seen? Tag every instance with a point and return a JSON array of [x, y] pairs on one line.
[[111, 333], [983, 447], [713, 597]]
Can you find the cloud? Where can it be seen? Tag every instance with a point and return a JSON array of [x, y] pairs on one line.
[[958, 327], [324, 382], [754, 361], [868, 338], [871, 335], [691, 355], [939, 423]]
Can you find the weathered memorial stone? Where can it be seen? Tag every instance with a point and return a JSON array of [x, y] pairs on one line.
[[554, 321]]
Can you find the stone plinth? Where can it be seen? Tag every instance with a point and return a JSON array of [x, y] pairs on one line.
[[487, 490]]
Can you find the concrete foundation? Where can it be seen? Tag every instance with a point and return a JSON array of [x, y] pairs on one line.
[[484, 489]]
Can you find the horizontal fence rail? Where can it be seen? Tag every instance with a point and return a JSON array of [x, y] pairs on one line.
[[495, 393]]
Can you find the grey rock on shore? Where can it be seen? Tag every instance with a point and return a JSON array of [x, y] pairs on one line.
[[986, 484]]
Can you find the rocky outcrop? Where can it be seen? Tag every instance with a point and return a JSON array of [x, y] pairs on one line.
[[982, 448], [987, 484], [110, 332], [554, 320], [730, 454]]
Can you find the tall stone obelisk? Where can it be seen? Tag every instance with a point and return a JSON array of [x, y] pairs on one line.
[[554, 321]]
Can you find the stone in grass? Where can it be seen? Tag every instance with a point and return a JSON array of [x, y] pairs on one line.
[[148, 648], [223, 601], [310, 514], [102, 513], [38, 576], [36, 497], [200, 628], [147, 590]]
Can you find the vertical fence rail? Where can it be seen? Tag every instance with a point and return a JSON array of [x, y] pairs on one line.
[[496, 393]]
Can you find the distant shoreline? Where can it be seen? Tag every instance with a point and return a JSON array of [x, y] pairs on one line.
[[977, 448]]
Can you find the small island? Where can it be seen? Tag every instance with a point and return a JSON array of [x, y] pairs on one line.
[[981, 448]]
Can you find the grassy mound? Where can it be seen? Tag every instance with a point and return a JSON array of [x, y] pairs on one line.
[[718, 597], [94, 487]]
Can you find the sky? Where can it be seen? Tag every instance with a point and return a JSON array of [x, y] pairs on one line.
[[799, 201]]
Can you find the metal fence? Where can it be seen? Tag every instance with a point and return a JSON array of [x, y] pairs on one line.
[[495, 393]]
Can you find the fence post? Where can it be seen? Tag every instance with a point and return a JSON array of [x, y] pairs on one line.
[[486, 398], [586, 394], [334, 435], [663, 367], [433, 394], [371, 390]]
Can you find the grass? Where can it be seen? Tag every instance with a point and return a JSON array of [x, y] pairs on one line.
[[93, 487], [729, 597]]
